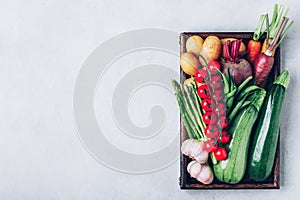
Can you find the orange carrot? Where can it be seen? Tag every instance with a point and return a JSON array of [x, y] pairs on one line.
[[254, 45], [254, 48]]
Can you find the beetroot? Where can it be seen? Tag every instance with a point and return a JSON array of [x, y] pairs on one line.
[[239, 68]]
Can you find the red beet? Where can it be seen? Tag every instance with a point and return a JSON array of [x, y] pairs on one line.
[[239, 68]]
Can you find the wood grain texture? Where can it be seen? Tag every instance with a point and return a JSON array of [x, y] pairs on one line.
[[185, 181]]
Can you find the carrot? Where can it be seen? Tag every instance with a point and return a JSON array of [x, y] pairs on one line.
[[254, 48], [262, 67], [254, 45], [264, 62]]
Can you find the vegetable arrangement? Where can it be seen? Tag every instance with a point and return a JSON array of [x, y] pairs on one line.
[[230, 115]]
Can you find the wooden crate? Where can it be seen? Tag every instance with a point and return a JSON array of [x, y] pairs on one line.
[[185, 181]]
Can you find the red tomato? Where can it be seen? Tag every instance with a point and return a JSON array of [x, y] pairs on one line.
[[211, 131], [209, 118], [224, 138], [210, 146], [203, 91], [219, 110], [220, 154], [220, 95], [224, 132], [223, 122], [217, 81], [213, 66], [206, 104], [200, 75]]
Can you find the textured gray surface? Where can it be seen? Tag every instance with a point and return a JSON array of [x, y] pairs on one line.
[[42, 47]]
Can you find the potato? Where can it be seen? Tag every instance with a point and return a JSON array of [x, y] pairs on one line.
[[211, 49], [242, 49], [194, 44], [189, 63]]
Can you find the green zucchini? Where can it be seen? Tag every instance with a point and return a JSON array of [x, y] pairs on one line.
[[262, 153], [232, 169]]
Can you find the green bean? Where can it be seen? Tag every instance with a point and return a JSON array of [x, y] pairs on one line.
[[226, 84], [247, 90], [231, 93], [244, 83], [236, 109]]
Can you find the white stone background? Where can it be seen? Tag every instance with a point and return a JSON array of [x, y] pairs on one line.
[[42, 47]]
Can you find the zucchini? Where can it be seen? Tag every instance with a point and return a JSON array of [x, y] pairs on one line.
[[232, 169], [262, 153]]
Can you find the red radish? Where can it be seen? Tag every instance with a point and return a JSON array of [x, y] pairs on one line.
[[254, 46], [264, 62]]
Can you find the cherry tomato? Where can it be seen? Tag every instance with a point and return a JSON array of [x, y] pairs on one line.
[[211, 131], [206, 105], [203, 91], [200, 75], [216, 81], [219, 110], [223, 121], [224, 139], [220, 95], [220, 154], [210, 146], [209, 118], [213, 66], [224, 132]]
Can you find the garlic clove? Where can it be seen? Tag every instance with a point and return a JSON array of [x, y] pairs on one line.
[[190, 165], [202, 157], [195, 148], [194, 168], [185, 147], [206, 175]]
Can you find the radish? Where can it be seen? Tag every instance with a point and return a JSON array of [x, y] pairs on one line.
[[264, 62]]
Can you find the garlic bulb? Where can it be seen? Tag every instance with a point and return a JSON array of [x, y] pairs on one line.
[[202, 173], [194, 149]]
